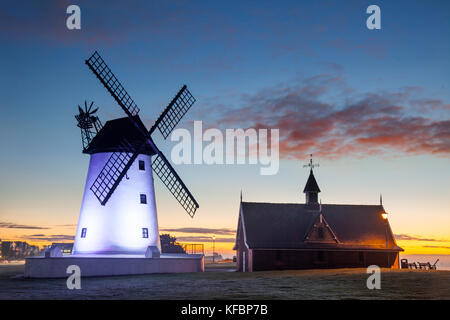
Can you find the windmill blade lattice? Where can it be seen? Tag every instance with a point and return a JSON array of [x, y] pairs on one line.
[[172, 181], [112, 173]]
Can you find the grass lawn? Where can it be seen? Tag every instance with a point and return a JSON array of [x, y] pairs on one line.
[[223, 284]]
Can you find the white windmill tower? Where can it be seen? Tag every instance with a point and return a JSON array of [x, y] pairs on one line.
[[118, 212]]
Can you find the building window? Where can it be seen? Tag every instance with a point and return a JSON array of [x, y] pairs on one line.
[[321, 256], [144, 233], [361, 256], [141, 165], [83, 232], [143, 198], [278, 255]]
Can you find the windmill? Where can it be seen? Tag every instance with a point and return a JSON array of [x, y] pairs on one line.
[[88, 122], [119, 215]]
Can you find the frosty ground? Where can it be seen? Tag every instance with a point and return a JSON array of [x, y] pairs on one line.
[[220, 283]]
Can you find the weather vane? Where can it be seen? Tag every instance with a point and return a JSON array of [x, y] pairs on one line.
[[311, 164]]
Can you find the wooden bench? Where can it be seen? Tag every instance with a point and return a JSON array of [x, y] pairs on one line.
[[423, 265], [419, 265], [427, 265], [433, 267]]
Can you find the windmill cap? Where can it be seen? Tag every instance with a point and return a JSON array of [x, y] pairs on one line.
[[111, 137]]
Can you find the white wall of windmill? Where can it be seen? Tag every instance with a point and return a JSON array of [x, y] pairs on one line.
[[116, 227]]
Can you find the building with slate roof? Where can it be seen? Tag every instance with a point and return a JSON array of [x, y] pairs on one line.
[[276, 236]]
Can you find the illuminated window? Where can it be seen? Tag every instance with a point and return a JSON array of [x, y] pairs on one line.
[[144, 233], [83, 232], [141, 165], [143, 198]]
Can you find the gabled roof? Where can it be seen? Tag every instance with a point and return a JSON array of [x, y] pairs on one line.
[[110, 138], [311, 184], [321, 232], [285, 226]]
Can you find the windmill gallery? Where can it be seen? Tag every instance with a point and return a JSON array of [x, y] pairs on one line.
[[118, 233]]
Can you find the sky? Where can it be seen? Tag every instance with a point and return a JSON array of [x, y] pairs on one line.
[[373, 106]]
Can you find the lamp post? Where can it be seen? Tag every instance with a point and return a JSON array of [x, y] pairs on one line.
[[384, 216], [214, 246]]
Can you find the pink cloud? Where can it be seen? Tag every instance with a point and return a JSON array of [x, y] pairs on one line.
[[370, 124]]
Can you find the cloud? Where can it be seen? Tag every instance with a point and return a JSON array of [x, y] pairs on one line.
[[427, 104], [321, 115], [331, 65], [205, 239], [50, 238], [116, 23], [109, 24], [10, 225], [221, 231], [374, 47], [415, 238]]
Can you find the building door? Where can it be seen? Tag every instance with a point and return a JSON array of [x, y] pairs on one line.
[[320, 258]]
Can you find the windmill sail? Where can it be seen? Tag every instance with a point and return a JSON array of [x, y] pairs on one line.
[[112, 173], [173, 113], [172, 181], [119, 162]]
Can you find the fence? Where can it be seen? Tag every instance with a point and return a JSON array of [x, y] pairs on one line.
[[193, 248]]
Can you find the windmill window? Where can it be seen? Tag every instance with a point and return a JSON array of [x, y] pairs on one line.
[[144, 232], [83, 232], [143, 198], [141, 165]]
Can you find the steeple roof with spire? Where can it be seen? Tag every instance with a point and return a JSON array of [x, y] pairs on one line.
[[311, 184]]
